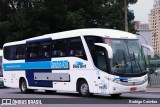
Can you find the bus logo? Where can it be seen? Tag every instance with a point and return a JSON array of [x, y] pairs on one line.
[[79, 65], [60, 64]]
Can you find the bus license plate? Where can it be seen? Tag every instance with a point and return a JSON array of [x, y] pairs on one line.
[[133, 89]]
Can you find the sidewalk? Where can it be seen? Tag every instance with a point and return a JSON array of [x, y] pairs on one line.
[[153, 89]]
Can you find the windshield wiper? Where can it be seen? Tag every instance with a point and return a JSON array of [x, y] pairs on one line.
[[137, 62], [124, 58], [125, 61], [129, 56]]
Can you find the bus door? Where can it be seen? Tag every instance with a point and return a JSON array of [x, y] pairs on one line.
[[99, 56], [38, 59], [101, 73]]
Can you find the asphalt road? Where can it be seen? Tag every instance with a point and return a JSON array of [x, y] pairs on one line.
[[67, 99]]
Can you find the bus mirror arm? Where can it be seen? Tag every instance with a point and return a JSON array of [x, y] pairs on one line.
[[108, 48], [150, 48]]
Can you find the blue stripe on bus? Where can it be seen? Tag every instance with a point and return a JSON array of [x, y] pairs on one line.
[[122, 79], [63, 64]]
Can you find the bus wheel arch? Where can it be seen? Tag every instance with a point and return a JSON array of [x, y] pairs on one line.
[[23, 86], [83, 84]]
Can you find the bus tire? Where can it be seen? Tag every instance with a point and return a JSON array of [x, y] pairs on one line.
[[115, 95], [50, 91], [84, 89], [23, 87]]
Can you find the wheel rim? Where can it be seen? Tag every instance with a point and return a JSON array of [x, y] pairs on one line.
[[84, 89], [24, 86]]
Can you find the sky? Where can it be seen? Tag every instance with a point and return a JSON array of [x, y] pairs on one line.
[[142, 9]]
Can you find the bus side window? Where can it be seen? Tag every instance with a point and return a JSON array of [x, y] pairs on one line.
[[20, 52], [45, 50], [59, 48], [32, 51], [76, 48], [14, 52], [8, 53]]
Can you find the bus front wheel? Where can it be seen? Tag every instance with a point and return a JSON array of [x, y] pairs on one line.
[[84, 89], [23, 87]]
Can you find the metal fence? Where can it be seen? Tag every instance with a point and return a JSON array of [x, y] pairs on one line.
[[154, 73]]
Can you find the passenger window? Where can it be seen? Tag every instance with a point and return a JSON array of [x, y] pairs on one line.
[[20, 52], [32, 51], [15, 52], [45, 50], [59, 48], [8, 52], [76, 48]]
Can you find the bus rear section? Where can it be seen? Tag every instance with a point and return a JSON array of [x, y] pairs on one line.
[[1, 71], [49, 64]]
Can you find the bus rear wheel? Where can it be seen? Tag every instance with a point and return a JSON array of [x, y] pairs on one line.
[[23, 87], [84, 89]]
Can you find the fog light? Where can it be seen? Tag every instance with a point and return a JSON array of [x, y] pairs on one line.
[[114, 88]]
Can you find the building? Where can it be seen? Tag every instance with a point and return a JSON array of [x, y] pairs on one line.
[[144, 34], [140, 26], [154, 25]]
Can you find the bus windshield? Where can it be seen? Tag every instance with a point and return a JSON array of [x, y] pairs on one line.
[[128, 58]]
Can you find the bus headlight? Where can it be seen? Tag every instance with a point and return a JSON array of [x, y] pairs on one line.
[[117, 81]]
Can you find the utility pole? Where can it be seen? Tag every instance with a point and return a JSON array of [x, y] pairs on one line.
[[126, 17]]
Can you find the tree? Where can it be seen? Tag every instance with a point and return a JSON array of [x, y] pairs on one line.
[[126, 12], [22, 19]]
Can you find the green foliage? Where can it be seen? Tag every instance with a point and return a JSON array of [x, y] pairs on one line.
[[22, 19], [132, 1], [4, 28], [75, 19]]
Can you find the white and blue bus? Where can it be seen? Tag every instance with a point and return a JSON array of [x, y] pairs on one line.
[[87, 61]]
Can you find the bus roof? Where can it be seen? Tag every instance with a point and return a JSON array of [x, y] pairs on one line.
[[106, 33]]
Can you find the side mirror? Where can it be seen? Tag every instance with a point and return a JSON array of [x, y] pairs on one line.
[[150, 48], [107, 47]]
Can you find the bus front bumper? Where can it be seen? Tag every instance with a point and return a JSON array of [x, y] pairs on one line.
[[118, 88]]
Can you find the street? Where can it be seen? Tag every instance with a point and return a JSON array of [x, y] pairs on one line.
[[15, 93], [74, 98]]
